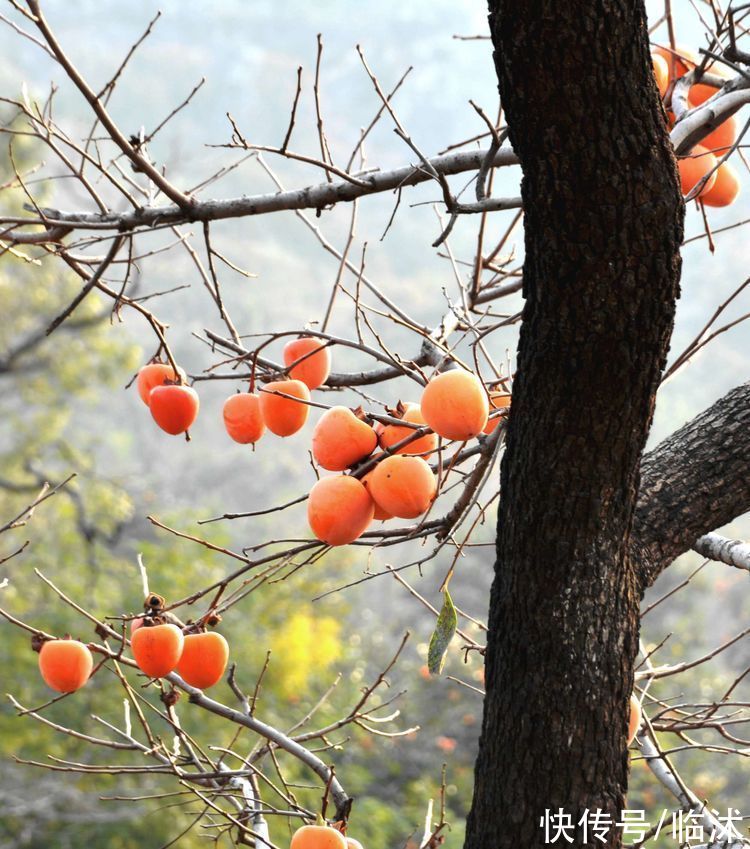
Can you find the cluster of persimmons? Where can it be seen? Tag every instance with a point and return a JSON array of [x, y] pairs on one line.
[[394, 478], [397, 481], [722, 185], [158, 645], [380, 472]]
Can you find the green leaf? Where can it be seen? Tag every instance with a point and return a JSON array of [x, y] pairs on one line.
[[442, 635]]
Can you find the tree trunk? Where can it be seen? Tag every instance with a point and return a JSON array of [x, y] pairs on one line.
[[603, 226]]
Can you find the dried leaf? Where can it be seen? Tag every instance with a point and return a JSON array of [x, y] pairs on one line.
[[442, 635]]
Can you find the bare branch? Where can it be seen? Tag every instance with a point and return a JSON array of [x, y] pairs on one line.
[[312, 197]]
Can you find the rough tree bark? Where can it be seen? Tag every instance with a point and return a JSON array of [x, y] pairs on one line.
[[693, 482], [603, 226]]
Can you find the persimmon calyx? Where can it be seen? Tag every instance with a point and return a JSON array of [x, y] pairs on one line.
[[170, 697], [363, 416], [398, 411], [154, 603], [37, 641]]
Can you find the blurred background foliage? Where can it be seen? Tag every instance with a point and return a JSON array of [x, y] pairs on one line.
[[65, 407]]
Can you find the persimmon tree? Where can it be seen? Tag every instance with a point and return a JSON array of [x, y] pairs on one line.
[[587, 521]]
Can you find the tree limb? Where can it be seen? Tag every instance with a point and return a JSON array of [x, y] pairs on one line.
[[310, 197], [693, 482], [733, 552]]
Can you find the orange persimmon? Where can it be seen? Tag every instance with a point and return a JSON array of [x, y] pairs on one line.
[[403, 485], [314, 369], [682, 58], [157, 648], [634, 722], [454, 404], [204, 659], [699, 93], [65, 665], [243, 418], [661, 73], [155, 374], [351, 843], [339, 509], [722, 138], [725, 189], [284, 416], [498, 401], [341, 438], [391, 434], [380, 514], [317, 837], [694, 167], [174, 407]]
